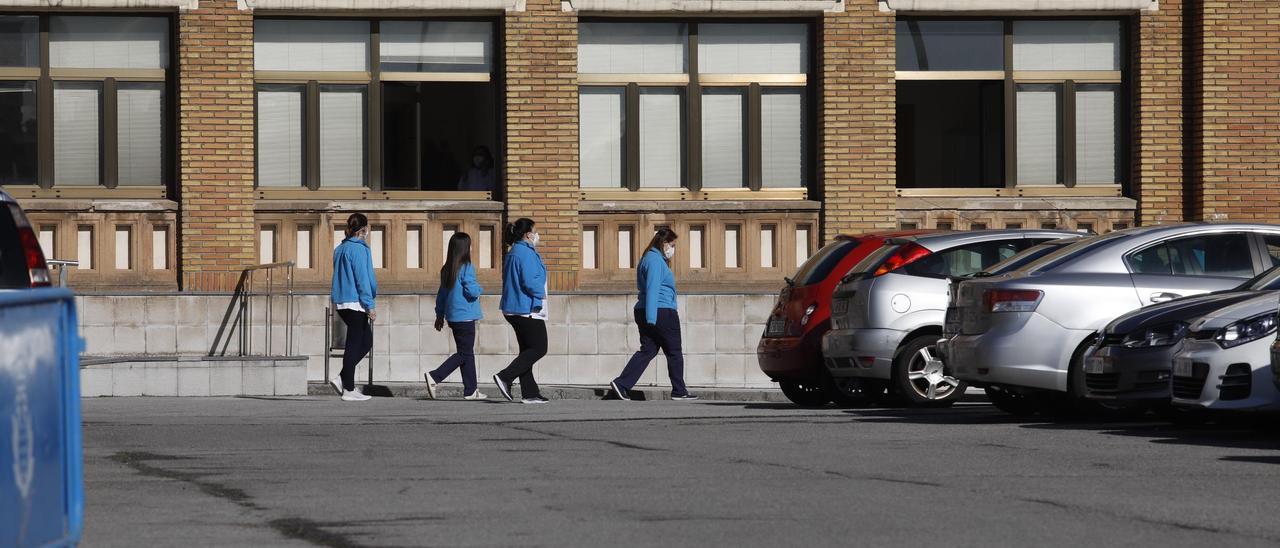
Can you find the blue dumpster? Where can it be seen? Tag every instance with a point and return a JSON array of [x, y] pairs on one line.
[[41, 484]]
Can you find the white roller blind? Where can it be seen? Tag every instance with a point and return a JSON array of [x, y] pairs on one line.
[[632, 48], [140, 142], [1066, 45], [1037, 137], [723, 138], [1096, 136], [753, 48], [447, 46], [341, 137], [782, 137], [310, 45], [600, 137], [280, 137], [76, 110], [108, 42], [661, 141]]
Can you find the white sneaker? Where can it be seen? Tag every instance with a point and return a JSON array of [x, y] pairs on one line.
[[336, 383], [431, 386], [477, 395], [355, 395]]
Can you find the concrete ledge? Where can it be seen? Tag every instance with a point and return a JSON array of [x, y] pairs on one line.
[[1018, 5], [158, 375], [705, 6], [416, 206], [182, 5], [667, 206], [1017, 204], [379, 5]]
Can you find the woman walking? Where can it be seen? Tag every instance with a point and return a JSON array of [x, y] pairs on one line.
[[523, 304], [657, 319], [458, 302], [353, 293]]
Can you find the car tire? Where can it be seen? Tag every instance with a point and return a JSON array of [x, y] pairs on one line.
[[919, 378], [854, 391], [1074, 404], [805, 394], [1013, 403]]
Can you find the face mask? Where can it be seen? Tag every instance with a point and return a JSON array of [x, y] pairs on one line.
[[669, 252], [534, 239]]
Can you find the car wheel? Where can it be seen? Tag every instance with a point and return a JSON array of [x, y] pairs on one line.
[[1074, 404], [921, 379], [1013, 403], [805, 394], [854, 391]]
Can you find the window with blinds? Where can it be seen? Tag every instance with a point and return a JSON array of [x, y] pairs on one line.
[[696, 105]]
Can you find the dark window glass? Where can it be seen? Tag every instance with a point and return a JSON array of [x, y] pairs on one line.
[[819, 266], [18, 133], [426, 147], [19, 44], [13, 262], [1225, 255], [966, 260], [950, 45], [950, 134], [1273, 248]]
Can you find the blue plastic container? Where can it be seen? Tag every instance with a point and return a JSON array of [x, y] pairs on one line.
[[41, 478]]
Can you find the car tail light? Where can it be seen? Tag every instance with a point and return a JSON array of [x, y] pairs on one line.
[[907, 254], [1013, 300], [36, 267]]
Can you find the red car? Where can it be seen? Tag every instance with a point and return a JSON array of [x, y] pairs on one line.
[[790, 352]]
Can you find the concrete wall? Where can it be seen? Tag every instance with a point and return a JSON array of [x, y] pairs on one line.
[[591, 335]]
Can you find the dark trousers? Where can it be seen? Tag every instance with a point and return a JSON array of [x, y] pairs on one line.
[[531, 334], [664, 335], [359, 342], [464, 337]]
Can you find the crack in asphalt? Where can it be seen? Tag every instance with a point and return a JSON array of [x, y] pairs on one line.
[[291, 527], [1069, 507]]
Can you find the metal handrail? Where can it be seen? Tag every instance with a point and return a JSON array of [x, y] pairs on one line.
[[243, 303], [62, 265]]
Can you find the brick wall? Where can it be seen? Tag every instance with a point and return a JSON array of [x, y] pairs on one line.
[[1236, 88], [542, 131], [857, 119], [215, 112], [1157, 71]]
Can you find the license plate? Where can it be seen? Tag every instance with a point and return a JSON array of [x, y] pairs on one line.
[[951, 325], [1096, 364], [1182, 368], [840, 306], [776, 327]]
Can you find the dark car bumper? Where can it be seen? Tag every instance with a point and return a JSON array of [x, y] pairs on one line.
[[1275, 362], [793, 359], [1130, 375]]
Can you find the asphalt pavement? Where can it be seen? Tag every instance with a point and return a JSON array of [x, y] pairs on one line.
[[406, 472]]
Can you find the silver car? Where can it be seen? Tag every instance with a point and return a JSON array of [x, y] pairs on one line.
[[1024, 333], [1225, 359], [887, 313]]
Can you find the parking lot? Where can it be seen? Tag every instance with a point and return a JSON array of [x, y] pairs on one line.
[[398, 472]]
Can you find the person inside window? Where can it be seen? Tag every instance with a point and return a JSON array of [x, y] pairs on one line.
[[482, 175]]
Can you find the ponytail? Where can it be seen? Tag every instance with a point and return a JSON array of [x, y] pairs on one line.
[[355, 223], [514, 232]]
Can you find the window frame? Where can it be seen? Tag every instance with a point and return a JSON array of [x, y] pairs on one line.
[[373, 79], [1067, 82], [691, 84], [44, 76]]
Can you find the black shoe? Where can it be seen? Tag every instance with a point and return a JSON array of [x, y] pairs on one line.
[[503, 387], [535, 399], [684, 397], [622, 394]]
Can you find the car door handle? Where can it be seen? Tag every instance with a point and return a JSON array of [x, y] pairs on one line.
[[1163, 297]]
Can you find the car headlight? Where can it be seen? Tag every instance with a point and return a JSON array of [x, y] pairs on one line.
[[1160, 335], [1247, 330]]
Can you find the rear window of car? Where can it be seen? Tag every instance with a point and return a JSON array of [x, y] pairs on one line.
[[1066, 254], [1026, 257], [13, 262], [966, 260], [820, 265]]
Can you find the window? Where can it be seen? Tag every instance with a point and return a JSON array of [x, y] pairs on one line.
[[820, 265], [1222, 255], [966, 260], [658, 112], [1047, 114], [1272, 243], [355, 103], [103, 92]]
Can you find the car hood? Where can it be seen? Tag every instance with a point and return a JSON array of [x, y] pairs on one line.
[[1265, 303], [1178, 310]]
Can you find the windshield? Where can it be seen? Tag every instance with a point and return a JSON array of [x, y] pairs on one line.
[[1266, 281], [872, 261], [1076, 248], [819, 266], [1022, 259]]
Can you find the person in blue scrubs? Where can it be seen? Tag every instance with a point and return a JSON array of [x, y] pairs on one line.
[[458, 303]]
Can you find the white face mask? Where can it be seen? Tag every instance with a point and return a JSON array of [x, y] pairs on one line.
[[669, 251], [533, 239]]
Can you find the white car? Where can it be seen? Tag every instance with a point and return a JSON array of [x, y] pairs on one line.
[[1225, 359]]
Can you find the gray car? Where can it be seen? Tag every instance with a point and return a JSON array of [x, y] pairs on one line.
[[887, 313], [1024, 334]]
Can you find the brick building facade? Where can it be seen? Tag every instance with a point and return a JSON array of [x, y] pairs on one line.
[[1194, 133]]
